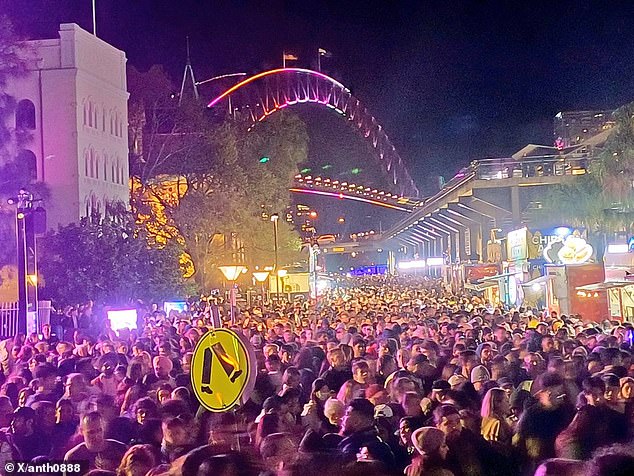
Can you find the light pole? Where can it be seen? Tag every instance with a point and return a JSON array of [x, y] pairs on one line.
[[231, 273], [29, 221], [275, 218], [260, 277]]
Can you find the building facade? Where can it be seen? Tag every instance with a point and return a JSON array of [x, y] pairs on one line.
[[574, 127], [71, 120]]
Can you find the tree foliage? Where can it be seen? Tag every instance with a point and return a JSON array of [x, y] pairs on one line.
[[103, 259], [15, 56], [602, 201], [220, 193]]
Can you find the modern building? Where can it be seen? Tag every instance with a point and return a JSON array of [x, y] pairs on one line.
[[71, 121], [574, 127]]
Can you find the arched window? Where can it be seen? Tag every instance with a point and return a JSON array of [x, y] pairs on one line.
[[105, 167], [28, 160], [25, 115], [85, 120], [92, 163], [112, 177], [89, 113], [86, 160], [96, 114], [103, 120], [96, 166]]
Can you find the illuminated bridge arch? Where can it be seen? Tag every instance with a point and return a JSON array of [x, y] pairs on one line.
[[265, 93]]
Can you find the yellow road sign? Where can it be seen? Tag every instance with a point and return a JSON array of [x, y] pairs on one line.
[[223, 370]]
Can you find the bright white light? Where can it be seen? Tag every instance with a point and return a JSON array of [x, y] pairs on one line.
[[562, 231], [122, 318], [231, 273], [618, 248], [178, 306], [411, 264], [282, 273], [435, 261], [536, 287]]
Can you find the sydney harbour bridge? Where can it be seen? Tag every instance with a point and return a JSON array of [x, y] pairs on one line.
[[489, 195]]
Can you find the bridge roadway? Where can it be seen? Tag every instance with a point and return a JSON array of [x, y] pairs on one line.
[[490, 194]]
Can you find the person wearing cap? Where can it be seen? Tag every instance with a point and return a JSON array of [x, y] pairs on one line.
[[479, 376], [358, 430], [22, 436], [541, 423], [468, 452]]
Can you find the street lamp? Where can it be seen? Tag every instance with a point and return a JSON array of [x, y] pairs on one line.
[[275, 218], [281, 274], [260, 277], [231, 273]]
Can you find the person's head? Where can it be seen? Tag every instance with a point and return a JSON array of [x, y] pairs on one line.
[[430, 442], [336, 358], [46, 375], [420, 366], [552, 393], [177, 431], [334, 411], [144, 409], [479, 376], [320, 391], [23, 421], [6, 410], [406, 427], [44, 414], [593, 390], [447, 419], [612, 388], [75, 386], [548, 344], [495, 403], [137, 461], [615, 460], [361, 372], [162, 366], [358, 346], [410, 402], [359, 415], [277, 450], [291, 377], [627, 388], [64, 411], [92, 428]]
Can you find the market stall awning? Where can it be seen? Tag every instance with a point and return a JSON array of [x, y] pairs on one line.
[[604, 285], [479, 287], [539, 280], [498, 276]]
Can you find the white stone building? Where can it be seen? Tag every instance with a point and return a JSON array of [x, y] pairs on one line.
[[73, 106]]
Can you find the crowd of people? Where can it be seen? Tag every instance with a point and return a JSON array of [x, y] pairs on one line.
[[387, 376]]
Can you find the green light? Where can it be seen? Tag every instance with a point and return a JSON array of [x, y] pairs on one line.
[[264, 160], [355, 171], [305, 171], [327, 166]]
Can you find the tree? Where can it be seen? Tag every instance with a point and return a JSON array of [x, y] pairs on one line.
[[601, 201], [15, 56], [207, 183], [103, 259]]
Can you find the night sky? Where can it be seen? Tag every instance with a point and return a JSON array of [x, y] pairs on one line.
[[449, 80]]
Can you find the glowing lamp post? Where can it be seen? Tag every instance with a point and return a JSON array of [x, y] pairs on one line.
[[260, 277], [275, 218], [231, 273], [281, 274]]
